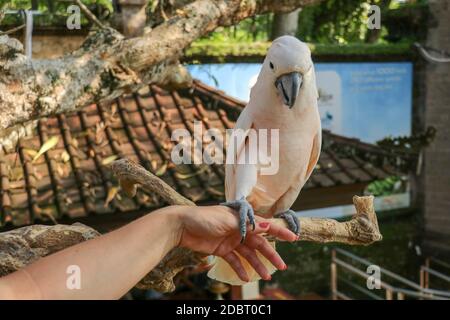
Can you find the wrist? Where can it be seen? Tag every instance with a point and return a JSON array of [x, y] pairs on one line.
[[174, 220]]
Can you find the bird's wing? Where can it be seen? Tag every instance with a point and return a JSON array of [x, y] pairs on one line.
[[315, 154], [288, 198], [244, 123]]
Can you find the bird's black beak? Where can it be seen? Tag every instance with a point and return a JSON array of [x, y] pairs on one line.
[[288, 86]]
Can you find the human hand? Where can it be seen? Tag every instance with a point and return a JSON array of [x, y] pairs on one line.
[[214, 230]]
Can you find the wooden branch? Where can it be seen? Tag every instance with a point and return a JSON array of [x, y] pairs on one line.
[[131, 175], [89, 15], [23, 246], [108, 65], [13, 30], [362, 229]]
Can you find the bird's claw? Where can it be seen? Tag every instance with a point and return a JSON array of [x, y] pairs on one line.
[[291, 220], [245, 210]]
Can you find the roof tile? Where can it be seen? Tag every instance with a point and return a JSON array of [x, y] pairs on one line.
[[73, 179]]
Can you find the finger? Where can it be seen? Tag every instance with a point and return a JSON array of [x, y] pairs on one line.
[[257, 242], [281, 233], [250, 255], [261, 227], [235, 263]]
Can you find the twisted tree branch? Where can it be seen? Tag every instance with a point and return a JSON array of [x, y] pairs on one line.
[[107, 65], [25, 245], [89, 15], [362, 229]]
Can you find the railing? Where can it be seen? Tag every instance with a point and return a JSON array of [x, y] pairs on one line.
[[426, 271], [409, 288]]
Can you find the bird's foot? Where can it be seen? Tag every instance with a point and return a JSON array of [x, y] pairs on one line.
[[291, 219], [245, 210]]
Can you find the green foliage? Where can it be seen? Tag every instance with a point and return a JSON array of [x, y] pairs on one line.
[[412, 144], [335, 27], [15, 4], [406, 22], [248, 30], [49, 5], [221, 51], [54, 12], [334, 21], [388, 186], [345, 21], [361, 49]]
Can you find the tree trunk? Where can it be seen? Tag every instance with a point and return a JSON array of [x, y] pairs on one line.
[[285, 24], [132, 17], [373, 35]]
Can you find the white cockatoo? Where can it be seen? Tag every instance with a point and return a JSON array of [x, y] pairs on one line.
[[284, 97]]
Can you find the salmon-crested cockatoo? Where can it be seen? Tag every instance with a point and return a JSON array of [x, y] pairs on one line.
[[284, 97]]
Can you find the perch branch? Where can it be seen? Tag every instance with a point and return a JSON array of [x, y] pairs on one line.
[[362, 229], [23, 246]]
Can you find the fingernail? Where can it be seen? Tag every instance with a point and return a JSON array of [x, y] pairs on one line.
[[284, 267], [264, 224], [269, 277]]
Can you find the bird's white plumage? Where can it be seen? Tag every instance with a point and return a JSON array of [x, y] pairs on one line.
[[299, 142]]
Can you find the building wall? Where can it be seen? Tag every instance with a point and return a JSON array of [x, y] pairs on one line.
[[53, 43], [54, 46], [437, 114]]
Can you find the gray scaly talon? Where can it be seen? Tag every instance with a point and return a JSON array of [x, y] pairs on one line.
[[245, 210], [292, 221]]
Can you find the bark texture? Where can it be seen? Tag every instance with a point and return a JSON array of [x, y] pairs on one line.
[[18, 248], [25, 245], [108, 65]]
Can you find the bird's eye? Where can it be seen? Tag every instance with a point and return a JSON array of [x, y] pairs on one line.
[[271, 65]]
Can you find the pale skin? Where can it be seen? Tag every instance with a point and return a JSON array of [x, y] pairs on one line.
[[113, 263]]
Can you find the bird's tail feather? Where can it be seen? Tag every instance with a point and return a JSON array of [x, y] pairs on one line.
[[222, 271]]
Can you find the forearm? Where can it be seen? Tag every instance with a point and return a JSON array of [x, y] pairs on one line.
[[109, 265]]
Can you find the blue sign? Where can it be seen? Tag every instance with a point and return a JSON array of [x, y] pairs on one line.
[[368, 100]]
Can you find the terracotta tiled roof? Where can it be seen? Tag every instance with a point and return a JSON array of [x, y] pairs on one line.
[[72, 179]]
